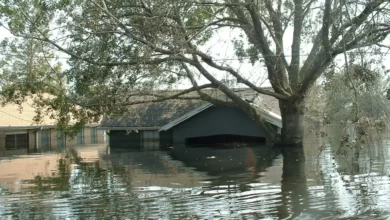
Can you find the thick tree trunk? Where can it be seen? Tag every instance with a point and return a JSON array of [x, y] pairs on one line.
[[292, 112]]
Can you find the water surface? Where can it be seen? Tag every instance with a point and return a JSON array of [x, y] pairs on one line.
[[322, 181]]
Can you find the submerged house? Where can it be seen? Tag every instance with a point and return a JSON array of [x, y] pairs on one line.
[[20, 134], [195, 122]]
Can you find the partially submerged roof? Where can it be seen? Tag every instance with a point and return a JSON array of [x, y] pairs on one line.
[[151, 115], [22, 116], [14, 115], [167, 114]]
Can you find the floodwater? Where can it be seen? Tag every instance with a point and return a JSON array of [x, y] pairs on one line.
[[321, 181]]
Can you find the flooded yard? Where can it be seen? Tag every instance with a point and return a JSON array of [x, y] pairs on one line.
[[257, 182]]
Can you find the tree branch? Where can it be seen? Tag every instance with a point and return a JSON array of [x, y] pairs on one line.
[[326, 21], [274, 64], [238, 76], [296, 45], [138, 60], [159, 99], [357, 21], [204, 96]]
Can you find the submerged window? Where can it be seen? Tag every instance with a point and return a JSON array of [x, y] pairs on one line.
[[16, 141], [45, 139], [80, 137], [93, 135], [150, 139]]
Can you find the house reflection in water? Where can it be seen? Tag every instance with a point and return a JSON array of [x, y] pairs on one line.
[[20, 134], [25, 172], [186, 166], [247, 162]]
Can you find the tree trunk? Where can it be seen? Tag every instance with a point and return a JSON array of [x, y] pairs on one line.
[[292, 111]]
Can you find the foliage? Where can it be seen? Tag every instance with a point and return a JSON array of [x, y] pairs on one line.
[[118, 50], [355, 94]]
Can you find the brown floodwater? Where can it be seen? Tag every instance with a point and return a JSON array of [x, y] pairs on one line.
[[321, 181]]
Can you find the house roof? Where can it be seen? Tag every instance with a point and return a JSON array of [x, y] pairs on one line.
[[152, 114], [164, 115], [13, 115], [20, 117], [264, 102]]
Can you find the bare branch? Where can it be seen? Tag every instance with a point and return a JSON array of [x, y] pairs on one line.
[[326, 20], [296, 45], [159, 98], [240, 78], [204, 96], [357, 21]]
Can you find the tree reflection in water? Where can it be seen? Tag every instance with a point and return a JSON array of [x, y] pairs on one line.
[[293, 184]]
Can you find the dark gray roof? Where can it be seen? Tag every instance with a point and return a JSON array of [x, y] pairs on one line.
[[153, 114], [159, 114]]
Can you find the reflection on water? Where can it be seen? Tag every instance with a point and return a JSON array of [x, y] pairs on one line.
[[199, 183]]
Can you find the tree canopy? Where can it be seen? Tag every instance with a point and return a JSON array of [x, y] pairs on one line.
[[116, 50]]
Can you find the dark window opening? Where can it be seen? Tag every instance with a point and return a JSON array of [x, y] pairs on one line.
[[224, 139], [123, 139], [16, 141]]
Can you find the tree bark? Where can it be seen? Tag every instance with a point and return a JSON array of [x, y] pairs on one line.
[[292, 111]]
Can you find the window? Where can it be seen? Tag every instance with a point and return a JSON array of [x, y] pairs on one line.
[[60, 139], [80, 137], [16, 141], [150, 139], [45, 140], [93, 136]]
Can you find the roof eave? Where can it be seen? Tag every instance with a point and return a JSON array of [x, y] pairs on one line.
[[128, 128], [31, 127]]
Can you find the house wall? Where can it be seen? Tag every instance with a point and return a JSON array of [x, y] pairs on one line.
[[216, 121], [87, 139], [87, 135], [35, 144]]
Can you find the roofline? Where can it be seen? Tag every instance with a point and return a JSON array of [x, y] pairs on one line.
[[39, 127], [271, 117], [185, 117], [129, 128], [31, 127]]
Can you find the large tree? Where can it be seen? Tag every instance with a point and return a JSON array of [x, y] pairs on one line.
[[143, 47]]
